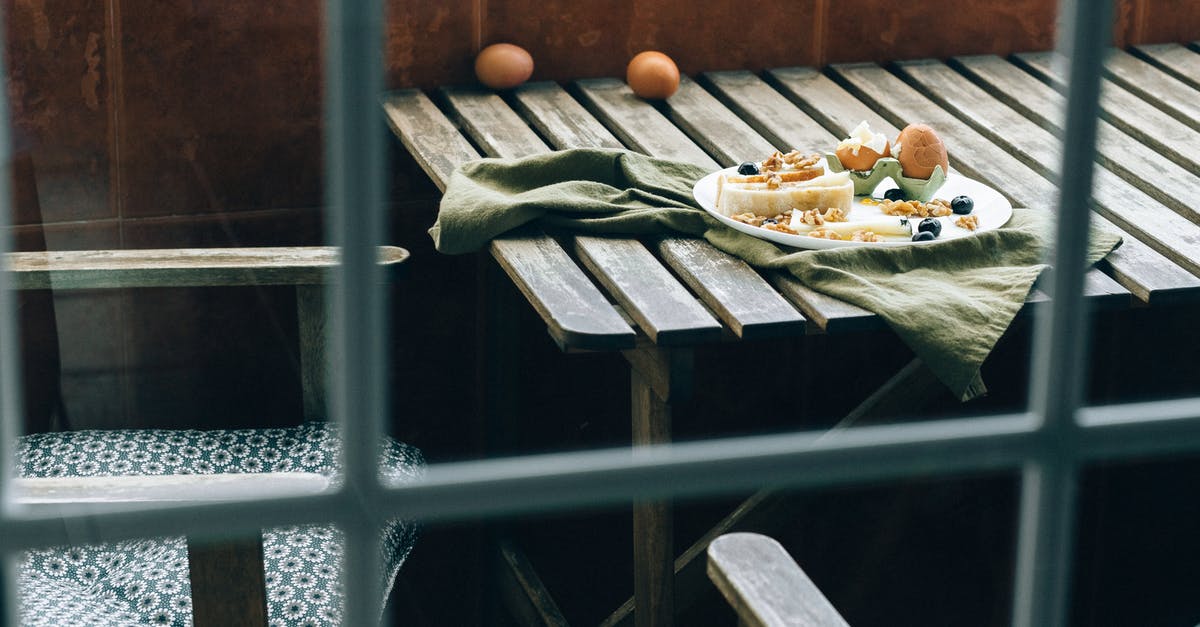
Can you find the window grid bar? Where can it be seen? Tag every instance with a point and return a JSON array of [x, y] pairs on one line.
[[454, 491], [10, 382], [1045, 528], [356, 212], [354, 171]]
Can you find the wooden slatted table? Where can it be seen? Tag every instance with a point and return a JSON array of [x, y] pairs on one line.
[[655, 299]]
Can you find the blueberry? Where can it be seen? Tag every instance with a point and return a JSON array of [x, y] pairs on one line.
[[894, 194], [923, 236], [932, 225], [769, 221], [748, 168], [962, 205]]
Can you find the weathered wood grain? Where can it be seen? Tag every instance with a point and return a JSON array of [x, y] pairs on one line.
[[560, 118], [495, 127], [179, 267], [1179, 61], [1154, 86], [576, 313], [614, 104], [1124, 110], [765, 586], [661, 306], [227, 580], [1164, 230], [523, 591], [1167, 181], [312, 324], [734, 291], [721, 133], [1140, 269], [430, 138], [653, 528], [738, 295]]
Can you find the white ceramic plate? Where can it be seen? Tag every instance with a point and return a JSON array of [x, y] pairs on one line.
[[992, 209]]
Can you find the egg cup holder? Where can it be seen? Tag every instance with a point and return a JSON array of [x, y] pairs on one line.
[[865, 182]]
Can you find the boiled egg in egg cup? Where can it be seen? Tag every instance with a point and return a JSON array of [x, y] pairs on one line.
[[918, 171]]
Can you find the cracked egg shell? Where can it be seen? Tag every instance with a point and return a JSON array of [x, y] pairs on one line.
[[864, 160], [919, 150]]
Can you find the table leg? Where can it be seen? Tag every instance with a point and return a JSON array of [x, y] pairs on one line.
[[657, 377]]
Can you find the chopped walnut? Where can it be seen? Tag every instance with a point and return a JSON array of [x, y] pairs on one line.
[[812, 217], [833, 214], [798, 160], [747, 218], [824, 234], [773, 180], [863, 235], [783, 218], [969, 223], [772, 163], [782, 228], [940, 211]]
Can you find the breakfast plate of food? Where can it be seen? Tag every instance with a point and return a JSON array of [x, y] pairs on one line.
[[870, 191]]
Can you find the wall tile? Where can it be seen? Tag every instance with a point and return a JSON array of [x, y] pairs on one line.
[[222, 106], [430, 43], [870, 30], [58, 86], [580, 39], [1169, 20]]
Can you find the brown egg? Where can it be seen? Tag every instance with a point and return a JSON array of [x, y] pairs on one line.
[[652, 75], [920, 151], [503, 66], [864, 160]]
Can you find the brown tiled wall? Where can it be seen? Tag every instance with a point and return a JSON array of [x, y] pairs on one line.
[[198, 123]]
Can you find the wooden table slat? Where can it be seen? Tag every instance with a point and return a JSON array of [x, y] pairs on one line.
[[1179, 61], [733, 290], [575, 311], [495, 127], [1124, 110], [737, 294], [1164, 230], [560, 118], [1155, 86], [719, 131], [1171, 183], [638, 124], [432, 139], [1140, 269], [660, 305]]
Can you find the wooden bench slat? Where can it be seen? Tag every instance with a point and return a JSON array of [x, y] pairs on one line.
[[653, 298], [432, 140], [576, 314], [1164, 180], [1154, 86], [560, 118], [720, 132], [179, 267], [765, 586], [1124, 110], [1179, 61], [638, 124], [1140, 269], [1163, 229], [488, 120]]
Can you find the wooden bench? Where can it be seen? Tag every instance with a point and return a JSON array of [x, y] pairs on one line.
[[655, 299], [226, 576]]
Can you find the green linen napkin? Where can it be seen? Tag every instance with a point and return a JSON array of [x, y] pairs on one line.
[[949, 301]]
